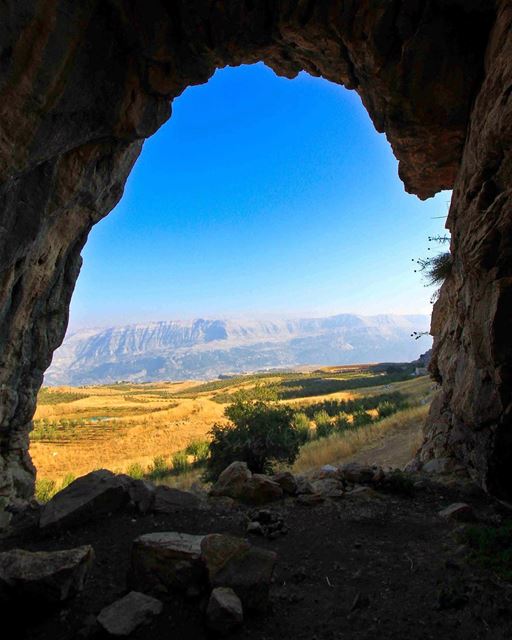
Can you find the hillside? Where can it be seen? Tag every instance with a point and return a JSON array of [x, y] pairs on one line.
[[201, 349]]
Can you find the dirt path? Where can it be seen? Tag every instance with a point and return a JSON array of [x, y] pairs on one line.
[[394, 450]]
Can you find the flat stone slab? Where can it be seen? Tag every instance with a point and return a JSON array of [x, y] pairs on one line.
[[168, 560], [43, 576], [459, 511], [94, 495], [123, 616]]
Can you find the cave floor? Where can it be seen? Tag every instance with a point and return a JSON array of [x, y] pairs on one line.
[[388, 567]]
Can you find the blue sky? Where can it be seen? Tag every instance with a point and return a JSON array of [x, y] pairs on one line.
[[260, 196]]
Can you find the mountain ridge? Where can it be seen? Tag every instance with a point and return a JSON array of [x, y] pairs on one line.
[[205, 348]]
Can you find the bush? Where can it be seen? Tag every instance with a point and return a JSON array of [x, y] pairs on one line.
[[136, 471], [67, 480], [386, 409], [324, 426], [341, 422], [199, 450], [260, 434], [303, 427], [159, 469], [361, 419], [180, 462]]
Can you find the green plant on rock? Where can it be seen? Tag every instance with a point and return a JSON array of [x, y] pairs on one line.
[[180, 463], [136, 471], [159, 469], [45, 489]]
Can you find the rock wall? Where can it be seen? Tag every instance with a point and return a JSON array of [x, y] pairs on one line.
[[82, 84], [471, 418]]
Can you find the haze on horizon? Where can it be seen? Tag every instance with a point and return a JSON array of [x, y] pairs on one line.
[[261, 197]]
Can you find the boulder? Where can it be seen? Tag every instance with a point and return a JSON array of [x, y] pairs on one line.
[[363, 493], [236, 481], [92, 496], [357, 473], [224, 612], [310, 499], [328, 487], [43, 577], [142, 495], [328, 471], [459, 511], [123, 616], [232, 481], [168, 499], [440, 466], [287, 482], [234, 563], [303, 486], [168, 561]]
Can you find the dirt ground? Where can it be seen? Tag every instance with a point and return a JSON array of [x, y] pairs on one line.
[[350, 569]]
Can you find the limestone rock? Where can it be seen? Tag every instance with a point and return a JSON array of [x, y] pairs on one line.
[[94, 495], [123, 616], [232, 481], [459, 511], [233, 562], [166, 560], [310, 499], [357, 473], [286, 481], [168, 499], [224, 612], [304, 485], [328, 487], [43, 576], [236, 481]]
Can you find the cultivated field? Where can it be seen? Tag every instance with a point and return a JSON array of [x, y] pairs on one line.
[[125, 425]]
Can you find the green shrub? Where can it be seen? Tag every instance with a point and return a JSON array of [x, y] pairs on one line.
[[159, 469], [361, 419], [386, 409], [302, 426], [180, 462], [136, 471], [324, 426], [341, 422], [260, 434], [45, 489], [199, 450]]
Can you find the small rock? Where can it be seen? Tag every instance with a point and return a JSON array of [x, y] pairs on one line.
[[363, 493], [328, 487], [287, 482], [122, 617], [92, 496], [224, 612], [168, 499], [303, 486], [43, 577], [459, 511], [168, 560], [233, 562], [357, 473], [255, 528], [439, 466]]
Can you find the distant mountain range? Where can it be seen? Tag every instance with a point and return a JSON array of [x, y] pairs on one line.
[[202, 349]]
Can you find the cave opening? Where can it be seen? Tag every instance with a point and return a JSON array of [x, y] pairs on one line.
[[251, 174]]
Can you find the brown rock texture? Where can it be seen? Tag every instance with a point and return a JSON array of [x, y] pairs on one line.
[[471, 419], [82, 84]]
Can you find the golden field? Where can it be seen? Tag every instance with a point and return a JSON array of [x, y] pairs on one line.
[[116, 426]]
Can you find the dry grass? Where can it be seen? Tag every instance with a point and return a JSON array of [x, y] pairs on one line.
[[337, 447], [149, 420]]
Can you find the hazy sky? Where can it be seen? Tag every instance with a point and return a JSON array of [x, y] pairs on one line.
[[261, 195]]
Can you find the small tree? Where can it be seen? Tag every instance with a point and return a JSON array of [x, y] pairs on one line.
[[259, 434], [324, 426], [303, 427]]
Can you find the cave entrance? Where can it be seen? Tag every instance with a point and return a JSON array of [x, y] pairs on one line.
[[253, 173]]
